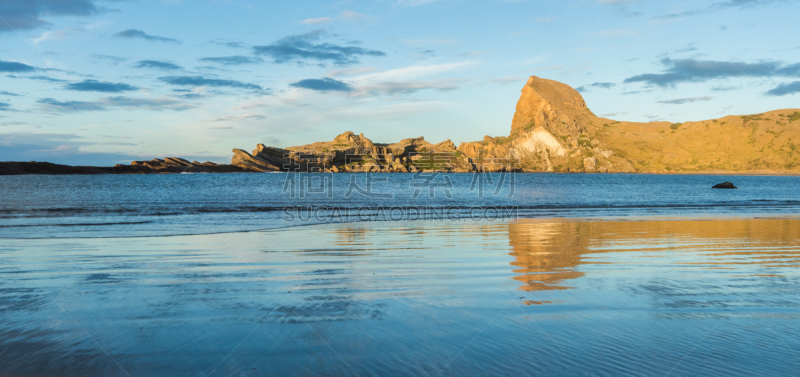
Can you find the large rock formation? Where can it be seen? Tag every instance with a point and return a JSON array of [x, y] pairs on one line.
[[550, 105], [175, 165], [552, 131], [349, 152]]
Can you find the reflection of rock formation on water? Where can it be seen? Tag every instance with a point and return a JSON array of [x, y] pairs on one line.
[[547, 253]]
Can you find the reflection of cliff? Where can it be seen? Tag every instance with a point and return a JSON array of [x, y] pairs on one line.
[[548, 254]]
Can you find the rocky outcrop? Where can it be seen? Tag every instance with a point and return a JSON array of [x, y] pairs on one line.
[[246, 161], [550, 105], [349, 152], [724, 185], [551, 131], [590, 164], [175, 165]]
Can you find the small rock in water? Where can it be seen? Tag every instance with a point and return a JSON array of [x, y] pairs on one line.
[[724, 185]]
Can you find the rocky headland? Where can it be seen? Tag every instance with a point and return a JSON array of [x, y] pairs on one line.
[[552, 130]]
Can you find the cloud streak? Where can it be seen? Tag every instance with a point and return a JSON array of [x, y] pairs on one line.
[[15, 67], [691, 70], [162, 103], [27, 14], [322, 85], [138, 34], [231, 118], [108, 58], [394, 88], [407, 80], [69, 106], [231, 60], [784, 89], [155, 64], [720, 6], [202, 81], [681, 101], [316, 21], [38, 78], [100, 86], [305, 47], [603, 85]]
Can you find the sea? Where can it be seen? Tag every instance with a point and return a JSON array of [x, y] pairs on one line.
[[42, 206], [431, 274]]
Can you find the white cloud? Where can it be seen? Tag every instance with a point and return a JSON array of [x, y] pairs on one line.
[[316, 21], [351, 71], [406, 80], [387, 111], [393, 88], [64, 33], [232, 118], [347, 15], [413, 71], [352, 16], [509, 80]]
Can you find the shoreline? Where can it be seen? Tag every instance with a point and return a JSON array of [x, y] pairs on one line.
[[12, 168], [487, 221]]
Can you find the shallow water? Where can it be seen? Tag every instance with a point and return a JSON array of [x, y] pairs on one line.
[[528, 297], [36, 206]]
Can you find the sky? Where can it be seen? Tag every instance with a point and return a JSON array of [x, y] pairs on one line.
[[100, 82]]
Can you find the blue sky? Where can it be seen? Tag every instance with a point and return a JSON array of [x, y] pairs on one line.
[[103, 82]]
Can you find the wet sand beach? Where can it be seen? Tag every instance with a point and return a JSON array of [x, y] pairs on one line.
[[528, 297]]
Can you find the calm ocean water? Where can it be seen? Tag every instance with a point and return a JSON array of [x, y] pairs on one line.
[[535, 274], [35, 206]]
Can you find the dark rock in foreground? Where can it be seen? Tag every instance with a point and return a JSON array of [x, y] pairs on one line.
[[724, 185]]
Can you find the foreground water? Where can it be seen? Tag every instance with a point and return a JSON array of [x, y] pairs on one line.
[[527, 297], [36, 206]]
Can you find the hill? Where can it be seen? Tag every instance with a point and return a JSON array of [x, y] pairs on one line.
[[554, 130]]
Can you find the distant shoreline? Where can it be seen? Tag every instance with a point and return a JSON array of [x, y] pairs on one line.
[[48, 168]]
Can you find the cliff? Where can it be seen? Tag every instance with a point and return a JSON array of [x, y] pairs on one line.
[[551, 130], [554, 130]]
